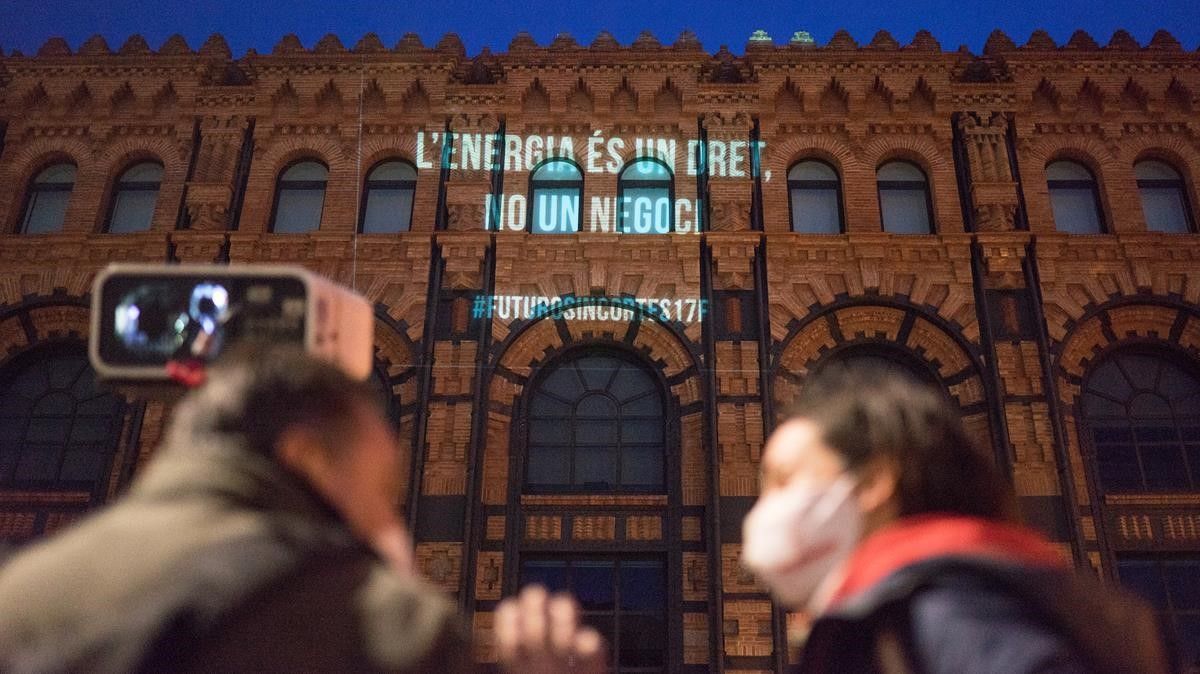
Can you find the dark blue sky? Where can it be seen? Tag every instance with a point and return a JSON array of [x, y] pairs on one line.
[[25, 24]]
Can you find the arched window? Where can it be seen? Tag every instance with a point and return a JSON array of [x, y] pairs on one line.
[[134, 197], [596, 424], [645, 198], [904, 202], [46, 201], [815, 197], [57, 429], [555, 190], [1074, 198], [299, 198], [388, 198], [1142, 415], [1164, 201]]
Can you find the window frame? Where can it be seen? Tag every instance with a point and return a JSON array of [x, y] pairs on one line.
[[1093, 184], [33, 358], [815, 185], [1178, 184], [907, 186], [120, 186], [33, 188], [536, 184], [1168, 615], [669, 184], [368, 185], [301, 185], [618, 488], [613, 644], [1086, 424]]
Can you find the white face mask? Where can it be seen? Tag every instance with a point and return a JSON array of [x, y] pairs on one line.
[[794, 537]]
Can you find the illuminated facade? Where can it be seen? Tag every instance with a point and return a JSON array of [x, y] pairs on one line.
[[1017, 226]]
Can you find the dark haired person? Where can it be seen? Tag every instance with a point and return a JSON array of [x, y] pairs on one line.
[[262, 537], [881, 520]]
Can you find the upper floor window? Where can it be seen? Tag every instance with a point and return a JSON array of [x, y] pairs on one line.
[[1074, 198], [134, 197], [596, 425], [646, 194], [904, 203], [555, 191], [57, 428], [46, 201], [815, 197], [1164, 201], [387, 198], [299, 198], [1142, 414]]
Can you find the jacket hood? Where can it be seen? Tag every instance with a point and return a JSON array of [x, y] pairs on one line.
[[912, 540]]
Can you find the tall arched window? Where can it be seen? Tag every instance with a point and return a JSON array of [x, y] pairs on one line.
[[904, 202], [1074, 198], [596, 424], [1141, 413], [57, 429], [46, 200], [1164, 201], [815, 198], [645, 198], [134, 197], [555, 192], [299, 198], [388, 198]]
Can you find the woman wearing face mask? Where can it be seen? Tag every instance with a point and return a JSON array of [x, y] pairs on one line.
[[880, 520]]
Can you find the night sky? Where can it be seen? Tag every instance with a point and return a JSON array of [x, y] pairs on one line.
[[25, 24]]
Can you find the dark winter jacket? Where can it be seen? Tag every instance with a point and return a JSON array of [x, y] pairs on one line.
[[219, 560], [986, 599]]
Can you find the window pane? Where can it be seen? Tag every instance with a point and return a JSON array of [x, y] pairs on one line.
[[59, 174], [38, 462], [146, 172], [645, 169], [555, 210], [642, 430], [1183, 583], [1067, 170], [904, 211], [643, 586], [595, 467], [643, 641], [592, 582], [598, 370], [132, 211], [1075, 210], [392, 170], [642, 466], [387, 211], [1118, 468], [46, 211], [298, 211], [1154, 170], [1165, 209], [305, 170], [1164, 466], [1144, 578], [549, 431], [596, 406], [645, 210], [549, 466], [900, 171], [598, 432], [82, 465], [815, 211], [812, 170], [557, 170], [552, 574]]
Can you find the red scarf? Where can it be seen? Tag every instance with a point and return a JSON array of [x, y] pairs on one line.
[[921, 537]]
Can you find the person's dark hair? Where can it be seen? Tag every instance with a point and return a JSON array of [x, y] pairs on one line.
[[867, 414], [255, 395]]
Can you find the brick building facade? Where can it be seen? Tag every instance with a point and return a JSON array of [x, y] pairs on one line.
[[1017, 226]]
